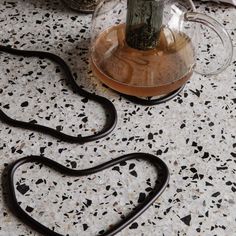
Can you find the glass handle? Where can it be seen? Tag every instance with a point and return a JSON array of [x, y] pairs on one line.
[[220, 31]]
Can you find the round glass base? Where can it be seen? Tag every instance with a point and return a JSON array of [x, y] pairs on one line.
[[153, 101]]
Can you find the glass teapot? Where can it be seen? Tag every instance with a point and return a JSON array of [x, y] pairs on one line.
[[148, 47]]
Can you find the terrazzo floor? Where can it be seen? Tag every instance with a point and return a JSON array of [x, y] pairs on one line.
[[195, 134]]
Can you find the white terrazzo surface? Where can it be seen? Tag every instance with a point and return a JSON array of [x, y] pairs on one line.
[[195, 134]]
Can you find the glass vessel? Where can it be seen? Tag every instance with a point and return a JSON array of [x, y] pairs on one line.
[[148, 47]]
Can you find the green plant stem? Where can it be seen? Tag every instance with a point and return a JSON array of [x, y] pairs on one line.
[[143, 23]]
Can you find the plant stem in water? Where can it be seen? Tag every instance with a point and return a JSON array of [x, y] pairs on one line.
[[143, 23]]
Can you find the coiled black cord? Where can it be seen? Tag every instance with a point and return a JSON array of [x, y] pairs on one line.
[[105, 103], [162, 180], [162, 170]]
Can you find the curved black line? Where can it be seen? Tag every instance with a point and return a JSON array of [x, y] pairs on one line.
[[105, 103], [161, 183]]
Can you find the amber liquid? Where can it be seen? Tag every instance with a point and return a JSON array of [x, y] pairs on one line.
[[142, 73]]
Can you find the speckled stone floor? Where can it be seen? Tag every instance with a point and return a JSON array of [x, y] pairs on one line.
[[195, 134]]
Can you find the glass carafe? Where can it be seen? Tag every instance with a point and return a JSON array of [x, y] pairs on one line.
[[148, 47]]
